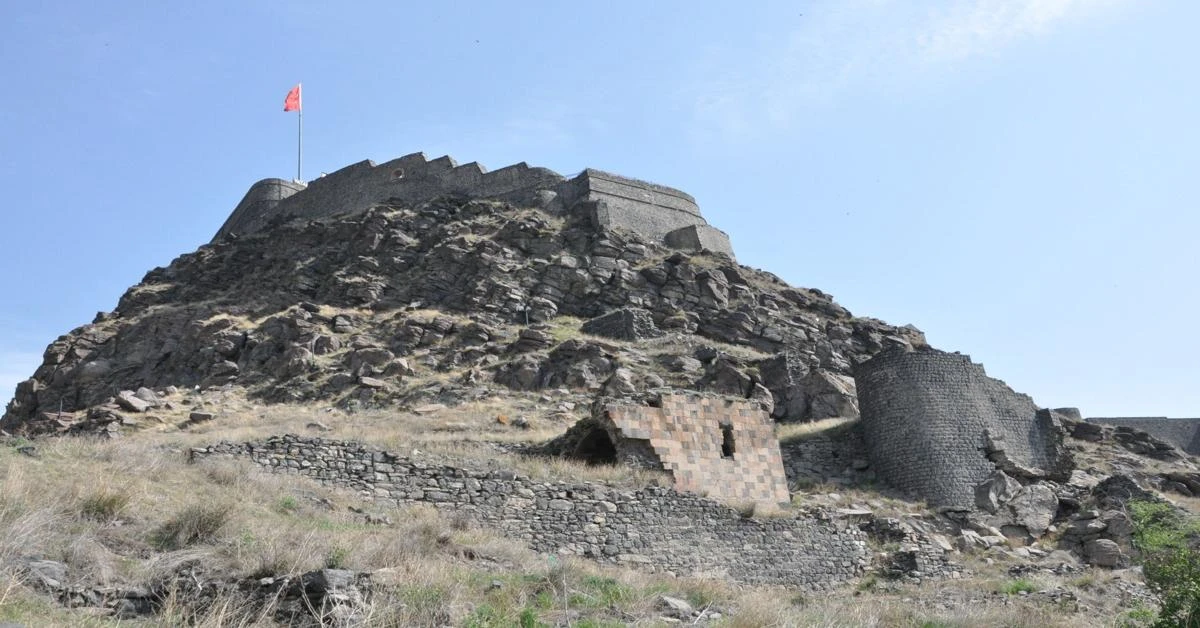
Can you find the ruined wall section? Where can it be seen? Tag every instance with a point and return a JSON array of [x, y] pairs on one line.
[[412, 178], [653, 527], [1183, 433], [723, 448], [927, 416]]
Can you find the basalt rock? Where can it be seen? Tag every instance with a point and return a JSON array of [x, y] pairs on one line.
[[289, 311]]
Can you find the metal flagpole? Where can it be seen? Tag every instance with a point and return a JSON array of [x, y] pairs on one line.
[[300, 136]]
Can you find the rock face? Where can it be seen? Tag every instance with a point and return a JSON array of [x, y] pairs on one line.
[[624, 324], [345, 310]]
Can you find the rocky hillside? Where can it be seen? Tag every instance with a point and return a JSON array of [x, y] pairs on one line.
[[463, 293]]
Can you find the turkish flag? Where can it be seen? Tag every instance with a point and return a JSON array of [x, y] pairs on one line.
[[292, 102]]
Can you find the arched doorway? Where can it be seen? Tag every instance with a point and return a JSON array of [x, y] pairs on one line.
[[596, 448]]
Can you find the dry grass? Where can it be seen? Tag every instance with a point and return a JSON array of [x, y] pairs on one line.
[[798, 431], [102, 507]]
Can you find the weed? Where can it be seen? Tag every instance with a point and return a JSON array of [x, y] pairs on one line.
[[1019, 585], [104, 504], [529, 619], [336, 557], [868, 583], [194, 524], [1168, 542]]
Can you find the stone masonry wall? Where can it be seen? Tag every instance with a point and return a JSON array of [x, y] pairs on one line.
[[926, 416], [722, 448], [653, 527], [611, 200], [411, 178], [1183, 433]]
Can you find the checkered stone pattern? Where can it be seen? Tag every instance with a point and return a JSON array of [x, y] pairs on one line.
[[687, 435]]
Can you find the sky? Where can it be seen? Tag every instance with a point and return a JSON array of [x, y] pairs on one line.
[[1017, 178]]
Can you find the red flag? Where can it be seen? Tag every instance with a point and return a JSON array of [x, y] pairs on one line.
[[292, 102]]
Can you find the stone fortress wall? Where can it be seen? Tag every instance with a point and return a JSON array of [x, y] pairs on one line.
[[930, 420], [611, 201], [1183, 433], [652, 527]]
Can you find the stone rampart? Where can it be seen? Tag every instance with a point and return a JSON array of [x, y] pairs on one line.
[[1183, 433], [609, 200], [934, 421], [653, 527], [411, 178]]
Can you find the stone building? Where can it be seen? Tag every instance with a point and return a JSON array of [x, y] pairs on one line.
[[723, 448]]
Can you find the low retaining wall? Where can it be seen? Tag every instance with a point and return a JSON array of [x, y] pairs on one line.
[[654, 527]]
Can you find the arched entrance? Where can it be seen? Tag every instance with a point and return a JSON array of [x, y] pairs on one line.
[[596, 448]]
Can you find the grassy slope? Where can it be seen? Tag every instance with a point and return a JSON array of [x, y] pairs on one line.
[[131, 511]]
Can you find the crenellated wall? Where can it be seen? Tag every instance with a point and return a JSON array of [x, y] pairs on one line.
[[655, 211], [357, 187]]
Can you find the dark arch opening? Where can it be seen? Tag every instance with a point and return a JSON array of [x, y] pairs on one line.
[[596, 448]]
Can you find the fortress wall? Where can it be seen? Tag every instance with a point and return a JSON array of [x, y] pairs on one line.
[[411, 178], [259, 203], [652, 527], [652, 210], [649, 209], [1183, 433], [924, 417]]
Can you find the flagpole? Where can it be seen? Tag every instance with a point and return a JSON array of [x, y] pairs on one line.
[[300, 138]]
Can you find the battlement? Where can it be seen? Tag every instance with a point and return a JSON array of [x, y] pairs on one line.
[[655, 211]]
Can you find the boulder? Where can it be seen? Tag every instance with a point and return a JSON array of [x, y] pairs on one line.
[[129, 400], [1103, 553], [1033, 507], [998, 488], [830, 395], [620, 383]]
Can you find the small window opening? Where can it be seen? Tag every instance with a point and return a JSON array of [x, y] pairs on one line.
[[398, 173], [727, 444], [596, 448]]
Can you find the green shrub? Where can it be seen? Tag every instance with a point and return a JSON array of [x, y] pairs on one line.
[[337, 557], [1020, 585], [1168, 541], [529, 619]]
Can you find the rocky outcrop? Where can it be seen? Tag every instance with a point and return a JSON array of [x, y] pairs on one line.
[[329, 310]]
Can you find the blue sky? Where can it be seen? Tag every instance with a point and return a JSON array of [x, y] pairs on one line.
[[1018, 178]]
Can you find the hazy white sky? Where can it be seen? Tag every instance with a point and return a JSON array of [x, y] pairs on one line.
[[1015, 177]]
